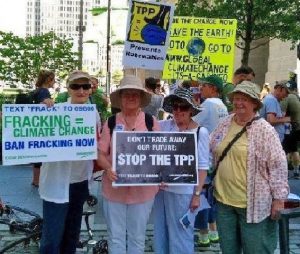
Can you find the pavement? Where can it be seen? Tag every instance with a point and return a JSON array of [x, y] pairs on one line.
[[16, 189]]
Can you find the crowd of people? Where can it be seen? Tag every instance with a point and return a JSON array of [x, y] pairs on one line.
[[234, 122]]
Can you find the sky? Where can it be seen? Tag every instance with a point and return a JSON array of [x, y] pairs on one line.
[[13, 16]]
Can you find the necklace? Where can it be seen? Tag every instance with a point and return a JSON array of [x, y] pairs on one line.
[[131, 125]]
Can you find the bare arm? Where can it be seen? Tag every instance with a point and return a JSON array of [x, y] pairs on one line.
[[195, 202], [273, 120], [112, 176]]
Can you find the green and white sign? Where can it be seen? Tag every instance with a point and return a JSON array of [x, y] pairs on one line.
[[37, 133]]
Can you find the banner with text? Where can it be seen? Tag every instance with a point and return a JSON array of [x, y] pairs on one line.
[[199, 47], [149, 158], [148, 26], [36, 133]]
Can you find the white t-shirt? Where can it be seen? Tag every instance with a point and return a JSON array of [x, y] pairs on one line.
[[55, 177], [213, 111], [203, 152]]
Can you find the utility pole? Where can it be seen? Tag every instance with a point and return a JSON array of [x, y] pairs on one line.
[[108, 50], [80, 35]]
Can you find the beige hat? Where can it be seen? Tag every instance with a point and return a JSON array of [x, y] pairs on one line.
[[130, 82], [74, 75], [248, 88]]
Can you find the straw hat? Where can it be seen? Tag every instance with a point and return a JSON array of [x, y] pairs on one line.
[[130, 82], [184, 94]]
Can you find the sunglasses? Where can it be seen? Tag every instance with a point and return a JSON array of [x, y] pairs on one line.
[[78, 86], [181, 107]]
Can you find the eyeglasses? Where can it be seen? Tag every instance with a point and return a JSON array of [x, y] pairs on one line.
[[181, 107], [78, 86]]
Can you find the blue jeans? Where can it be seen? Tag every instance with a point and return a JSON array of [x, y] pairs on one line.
[[61, 222], [237, 236], [126, 220], [169, 235], [205, 216]]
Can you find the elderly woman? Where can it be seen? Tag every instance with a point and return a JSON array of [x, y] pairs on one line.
[[64, 186], [251, 179], [172, 202], [126, 209]]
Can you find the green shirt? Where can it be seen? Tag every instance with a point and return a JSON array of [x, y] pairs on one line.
[[227, 88], [291, 105]]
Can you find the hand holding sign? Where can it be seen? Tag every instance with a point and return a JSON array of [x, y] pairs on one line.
[[112, 176]]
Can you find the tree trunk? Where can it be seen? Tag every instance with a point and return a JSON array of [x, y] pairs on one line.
[[248, 32]]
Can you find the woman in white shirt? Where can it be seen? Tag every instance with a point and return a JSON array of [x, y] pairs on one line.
[[173, 202], [64, 186]]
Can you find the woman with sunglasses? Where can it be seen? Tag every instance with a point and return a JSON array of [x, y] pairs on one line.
[[172, 202], [64, 185]]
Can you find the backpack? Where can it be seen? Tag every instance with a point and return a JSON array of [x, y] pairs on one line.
[[111, 122], [26, 98]]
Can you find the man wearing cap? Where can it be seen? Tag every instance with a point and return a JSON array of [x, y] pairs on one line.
[[271, 109], [213, 111], [291, 106], [213, 108]]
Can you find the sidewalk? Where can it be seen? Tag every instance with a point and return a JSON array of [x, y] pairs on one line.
[[16, 189]]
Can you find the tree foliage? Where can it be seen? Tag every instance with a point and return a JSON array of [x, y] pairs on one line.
[[257, 19], [21, 59]]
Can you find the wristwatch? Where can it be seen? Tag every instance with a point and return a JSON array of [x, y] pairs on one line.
[[197, 193]]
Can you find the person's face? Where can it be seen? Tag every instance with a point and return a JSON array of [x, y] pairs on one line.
[[95, 85], [130, 99], [206, 90], [51, 81], [79, 91], [243, 104], [281, 93], [182, 111]]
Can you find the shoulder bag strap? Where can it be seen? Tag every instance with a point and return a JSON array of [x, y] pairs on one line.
[[227, 148]]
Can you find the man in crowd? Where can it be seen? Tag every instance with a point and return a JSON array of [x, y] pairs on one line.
[[272, 111], [291, 106], [151, 85], [213, 111], [241, 74]]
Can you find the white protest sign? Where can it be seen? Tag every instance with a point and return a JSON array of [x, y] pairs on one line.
[[35, 133], [148, 30], [149, 158]]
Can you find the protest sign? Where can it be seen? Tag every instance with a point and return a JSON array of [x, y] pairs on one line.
[[149, 158], [36, 133], [147, 35], [199, 47]]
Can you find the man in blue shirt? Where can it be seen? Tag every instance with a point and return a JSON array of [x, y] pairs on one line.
[[271, 109]]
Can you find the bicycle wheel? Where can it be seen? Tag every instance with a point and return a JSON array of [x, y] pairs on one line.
[[23, 245], [25, 226], [19, 219]]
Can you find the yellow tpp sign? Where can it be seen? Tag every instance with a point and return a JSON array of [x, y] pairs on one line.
[[199, 47], [149, 23]]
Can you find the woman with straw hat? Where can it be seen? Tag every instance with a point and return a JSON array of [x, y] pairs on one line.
[[251, 176], [126, 209], [173, 202]]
